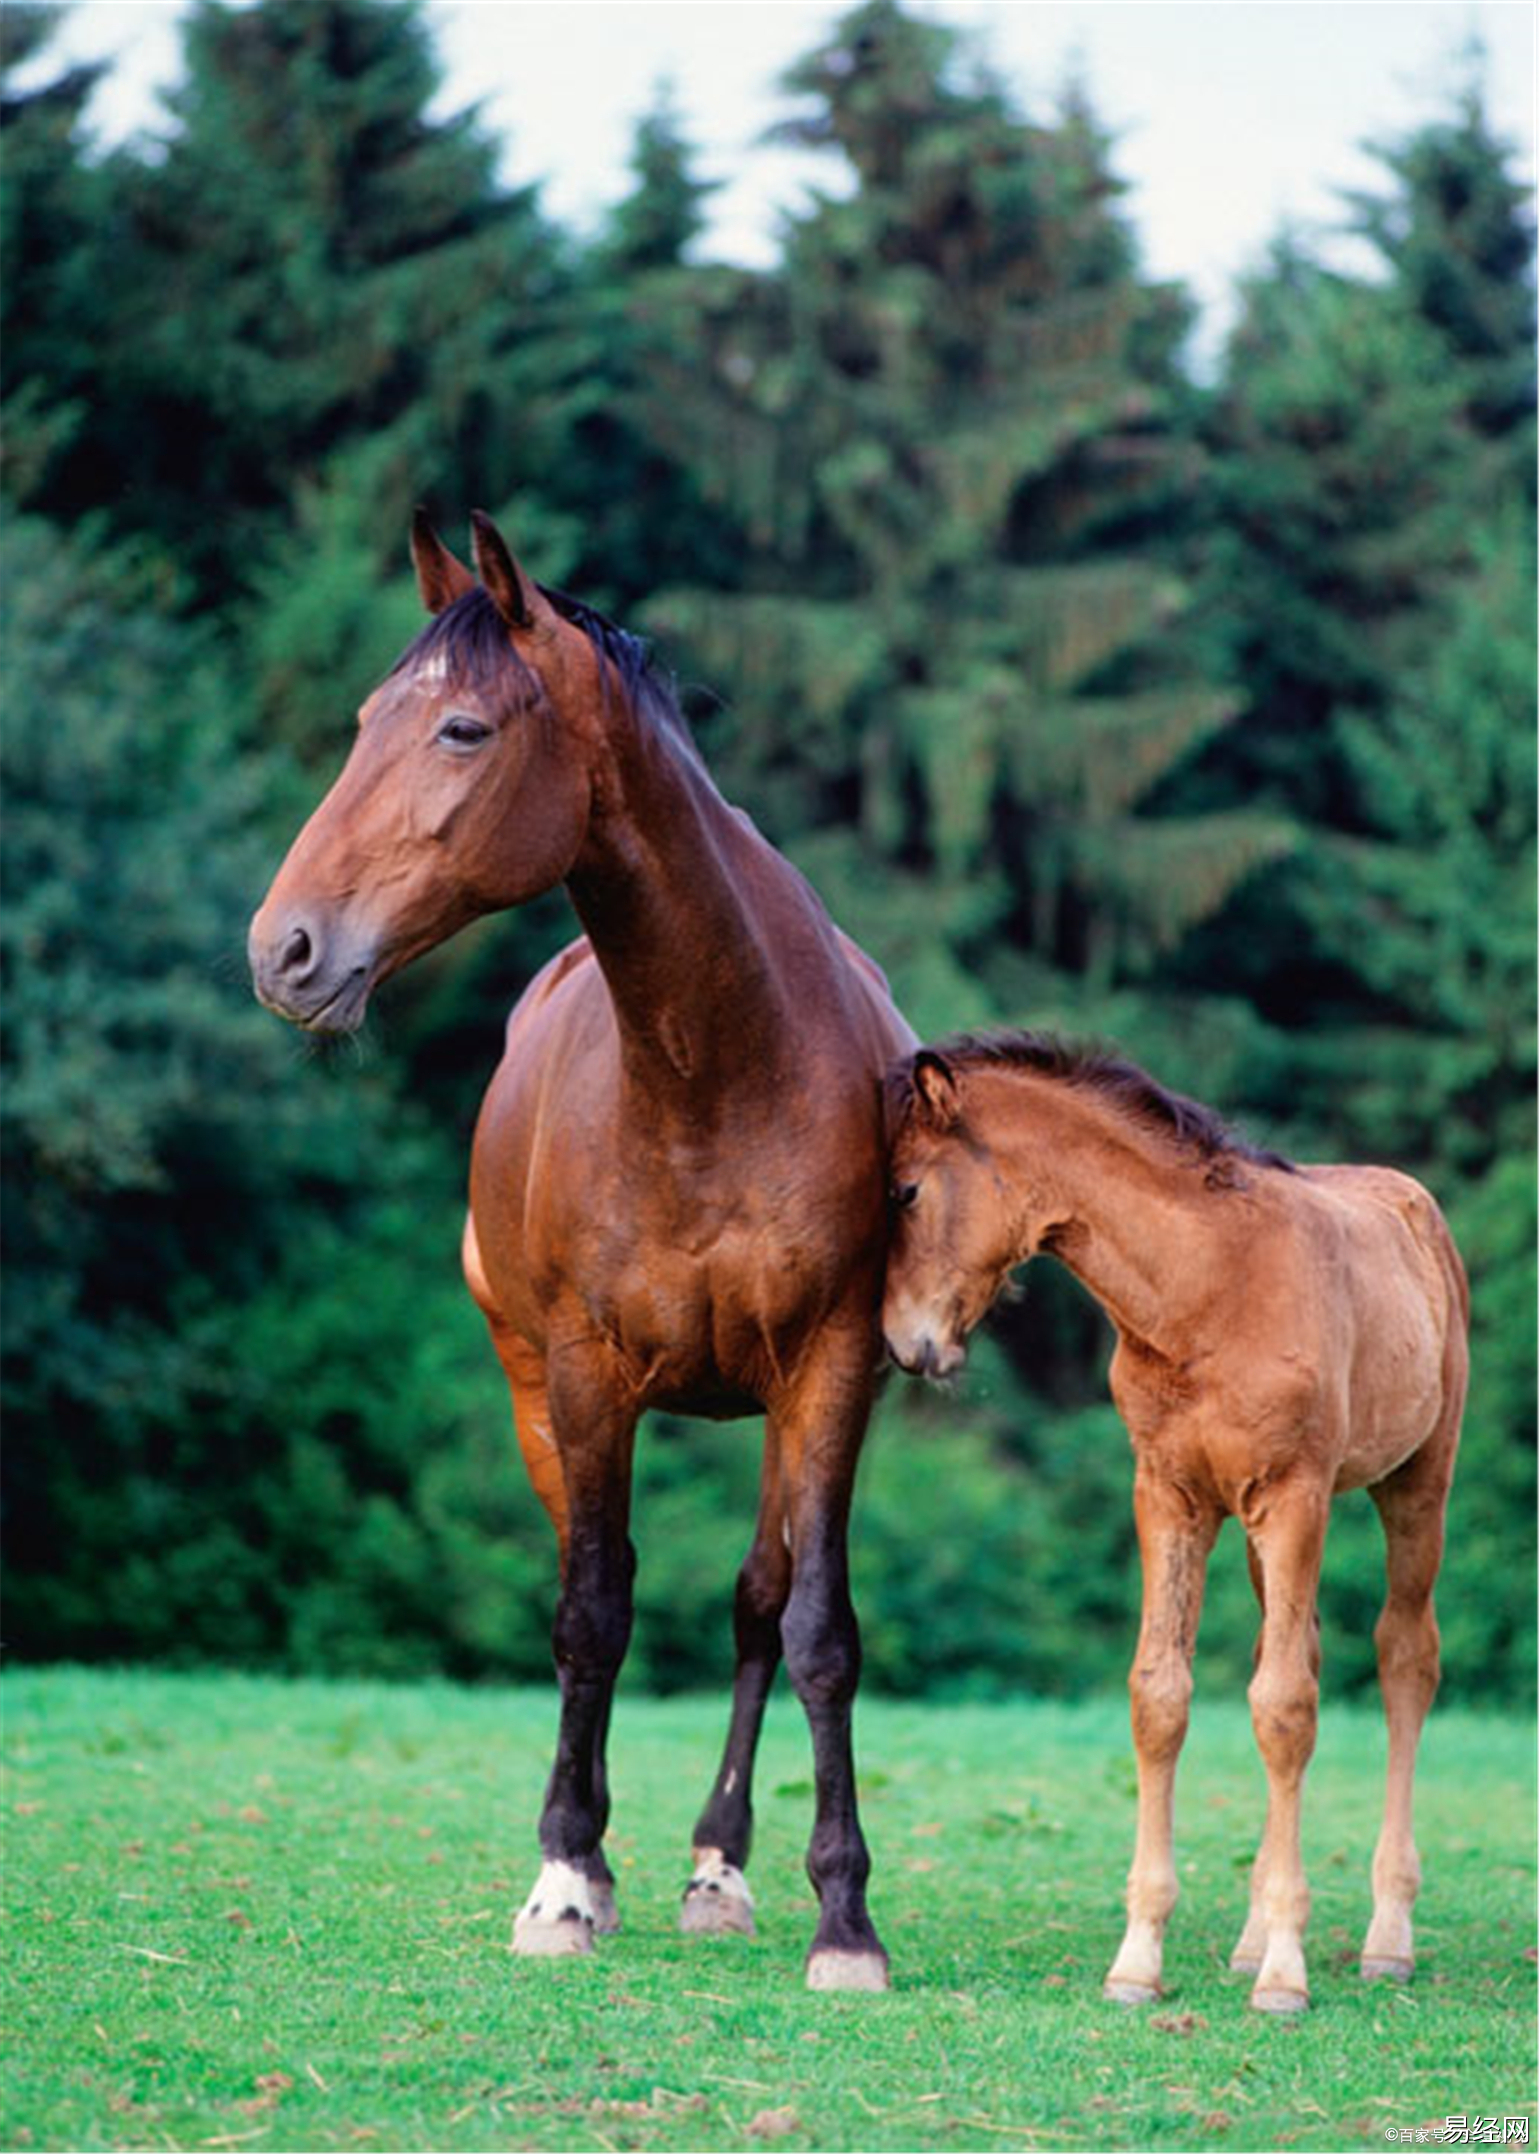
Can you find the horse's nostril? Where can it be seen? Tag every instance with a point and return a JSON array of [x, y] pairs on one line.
[[295, 954]]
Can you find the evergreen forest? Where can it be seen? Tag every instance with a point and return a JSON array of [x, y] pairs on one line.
[[1192, 711]]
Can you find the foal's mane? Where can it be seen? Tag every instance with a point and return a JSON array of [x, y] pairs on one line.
[[470, 638], [1196, 1129]]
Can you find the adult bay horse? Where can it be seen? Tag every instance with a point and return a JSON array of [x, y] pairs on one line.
[[1283, 1333], [677, 1187]]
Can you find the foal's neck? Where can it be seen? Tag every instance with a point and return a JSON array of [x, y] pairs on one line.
[[662, 887], [1119, 1206]]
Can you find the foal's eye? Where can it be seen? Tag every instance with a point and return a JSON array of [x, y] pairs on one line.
[[903, 1195], [460, 730]]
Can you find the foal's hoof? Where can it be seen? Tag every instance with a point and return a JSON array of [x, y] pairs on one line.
[[1386, 1970], [831, 1969], [1129, 1992], [1279, 2000], [717, 1901], [1243, 1961]]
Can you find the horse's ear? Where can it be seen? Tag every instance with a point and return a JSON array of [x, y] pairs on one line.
[[935, 1090], [440, 578], [517, 598]]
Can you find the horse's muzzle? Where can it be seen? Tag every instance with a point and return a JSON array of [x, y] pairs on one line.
[[316, 981]]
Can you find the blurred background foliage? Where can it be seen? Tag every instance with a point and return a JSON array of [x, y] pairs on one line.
[[1198, 714]]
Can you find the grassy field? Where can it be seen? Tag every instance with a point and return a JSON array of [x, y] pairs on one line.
[[269, 1915]]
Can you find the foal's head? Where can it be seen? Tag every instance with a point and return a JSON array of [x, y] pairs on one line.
[[955, 1237], [467, 790]]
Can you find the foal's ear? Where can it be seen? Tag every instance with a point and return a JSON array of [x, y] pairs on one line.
[[935, 1090], [519, 600], [440, 578]]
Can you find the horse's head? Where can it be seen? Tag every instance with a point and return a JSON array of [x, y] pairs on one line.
[[954, 1235], [467, 790]]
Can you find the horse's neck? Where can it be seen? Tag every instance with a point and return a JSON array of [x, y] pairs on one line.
[[660, 889], [1118, 1206]]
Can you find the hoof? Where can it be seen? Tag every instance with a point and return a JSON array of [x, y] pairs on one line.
[[1386, 1970], [1129, 1992], [717, 1901], [534, 1939], [709, 1912], [1279, 2000], [606, 1916], [557, 1919], [1244, 1961], [830, 1969]]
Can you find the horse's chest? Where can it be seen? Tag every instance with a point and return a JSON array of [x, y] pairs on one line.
[[716, 1317]]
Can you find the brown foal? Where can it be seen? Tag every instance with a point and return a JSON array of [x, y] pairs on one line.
[[1283, 1333], [677, 1188]]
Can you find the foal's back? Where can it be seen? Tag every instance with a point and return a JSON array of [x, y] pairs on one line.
[[1368, 1307]]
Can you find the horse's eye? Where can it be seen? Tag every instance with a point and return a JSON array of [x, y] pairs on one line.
[[903, 1194], [462, 731]]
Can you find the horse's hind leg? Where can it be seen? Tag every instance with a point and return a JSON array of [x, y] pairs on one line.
[[1411, 1505], [1285, 1705], [717, 1899], [1174, 1539], [594, 1434], [1248, 1954]]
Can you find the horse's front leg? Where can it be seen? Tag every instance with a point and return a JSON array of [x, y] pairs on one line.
[[1175, 1535], [717, 1900], [594, 1431], [821, 1421]]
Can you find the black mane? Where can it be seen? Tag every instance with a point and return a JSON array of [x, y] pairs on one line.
[[471, 639], [1195, 1128]]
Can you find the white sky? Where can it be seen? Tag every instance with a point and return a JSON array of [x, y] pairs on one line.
[[1228, 117]]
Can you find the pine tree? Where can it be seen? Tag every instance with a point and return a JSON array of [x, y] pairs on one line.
[[1373, 574], [331, 293], [1457, 234], [52, 261], [636, 512], [949, 430]]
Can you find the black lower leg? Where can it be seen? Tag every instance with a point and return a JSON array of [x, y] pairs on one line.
[[726, 1822], [822, 1648], [593, 1626]]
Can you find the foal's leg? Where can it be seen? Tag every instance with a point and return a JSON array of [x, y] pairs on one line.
[[1247, 1955], [595, 1432], [1411, 1505], [821, 1423], [717, 1898], [1285, 1707], [1175, 1535]]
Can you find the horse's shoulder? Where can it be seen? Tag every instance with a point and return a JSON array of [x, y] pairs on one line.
[[548, 980]]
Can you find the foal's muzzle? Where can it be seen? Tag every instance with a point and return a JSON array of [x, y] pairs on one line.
[[926, 1356]]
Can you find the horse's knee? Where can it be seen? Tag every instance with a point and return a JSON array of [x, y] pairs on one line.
[[821, 1641], [763, 1585], [1160, 1693], [593, 1617]]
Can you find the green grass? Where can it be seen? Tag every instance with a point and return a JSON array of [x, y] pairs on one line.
[[249, 1913]]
